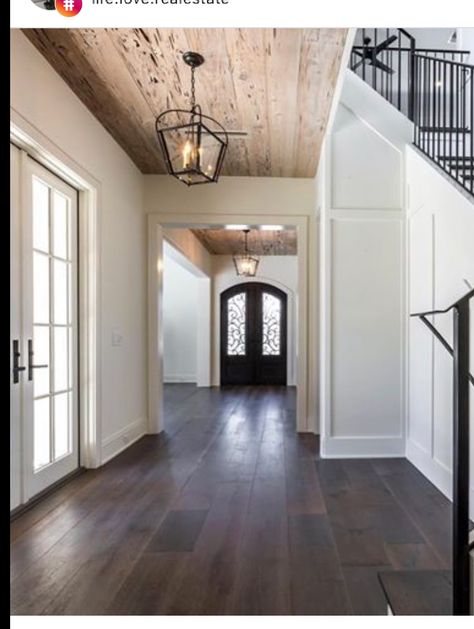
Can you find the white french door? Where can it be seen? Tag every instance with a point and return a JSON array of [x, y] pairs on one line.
[[44, 334]]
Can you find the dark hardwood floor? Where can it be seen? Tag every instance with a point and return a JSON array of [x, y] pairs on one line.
[[229, 512]]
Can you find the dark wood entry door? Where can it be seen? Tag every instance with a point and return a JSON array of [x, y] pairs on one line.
[[253, 335]]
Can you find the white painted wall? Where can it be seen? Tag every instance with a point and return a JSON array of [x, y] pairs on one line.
[[466, 42], [38, 94], [441, 259], [180, 305], [362, 280], [280, 271]]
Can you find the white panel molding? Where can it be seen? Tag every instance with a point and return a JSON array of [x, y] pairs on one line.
[[338, 446], [362, 447], [122, 439], [331, 182]]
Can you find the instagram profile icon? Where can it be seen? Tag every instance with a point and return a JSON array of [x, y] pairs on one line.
[[68, 8]]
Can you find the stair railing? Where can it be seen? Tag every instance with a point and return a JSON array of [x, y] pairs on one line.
[[461, 380], [432, 87], [443, 115], [393, 77]]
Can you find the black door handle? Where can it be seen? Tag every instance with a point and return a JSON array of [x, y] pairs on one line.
[[31, 366], [16, 362]]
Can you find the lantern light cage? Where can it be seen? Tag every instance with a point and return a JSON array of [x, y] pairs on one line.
[[193, 144], [246, 265]]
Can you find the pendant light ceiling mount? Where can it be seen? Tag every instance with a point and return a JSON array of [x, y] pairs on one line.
[[193, 144], [246, 264], [193, 59]]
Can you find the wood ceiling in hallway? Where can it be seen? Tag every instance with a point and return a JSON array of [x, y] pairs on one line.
[[261, 243], [276, 84]]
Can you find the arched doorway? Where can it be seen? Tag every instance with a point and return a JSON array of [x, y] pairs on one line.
[[254, 335]]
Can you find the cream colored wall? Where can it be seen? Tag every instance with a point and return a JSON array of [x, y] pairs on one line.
[[43, 99], [240, 195], [187, 243]]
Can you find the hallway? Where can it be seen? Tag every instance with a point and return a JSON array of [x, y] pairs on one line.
[[229, 512]]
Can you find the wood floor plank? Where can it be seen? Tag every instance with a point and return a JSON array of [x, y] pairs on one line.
[[229, 511], [317, 584], [178, 533]]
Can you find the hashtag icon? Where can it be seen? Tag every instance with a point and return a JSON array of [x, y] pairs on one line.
[[68, 5]]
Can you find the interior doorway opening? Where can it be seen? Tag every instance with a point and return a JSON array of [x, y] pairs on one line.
[[279, 306]]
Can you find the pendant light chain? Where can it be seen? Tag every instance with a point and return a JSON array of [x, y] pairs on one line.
[[193, 88]]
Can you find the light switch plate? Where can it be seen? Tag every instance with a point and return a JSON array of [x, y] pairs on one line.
[[117, 338]]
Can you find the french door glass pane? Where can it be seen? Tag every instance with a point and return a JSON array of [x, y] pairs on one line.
[[41, 357], [60, 226], [40, 215], [61, 379], [53, 329], [42, 454], [271, 325], [60, 292], [61, 424], [40, 288]]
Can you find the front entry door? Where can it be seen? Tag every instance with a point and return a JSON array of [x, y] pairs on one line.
[[44, 387], [253, 335]]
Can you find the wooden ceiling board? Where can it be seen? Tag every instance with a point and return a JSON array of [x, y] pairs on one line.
[[261, 243], [275, 84]]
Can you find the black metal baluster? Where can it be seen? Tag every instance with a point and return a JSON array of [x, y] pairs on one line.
[[451, 111], [363, 52], [374, 70], [471, 124], [445, 87], [399, 77]]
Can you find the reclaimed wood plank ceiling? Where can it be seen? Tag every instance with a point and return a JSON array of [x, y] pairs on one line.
[[261, 243], [275, 84]]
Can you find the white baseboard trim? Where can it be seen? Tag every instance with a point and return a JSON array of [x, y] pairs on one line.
[[187, 378], [438, 474], [362, 447], [435, 472], [122, 439]]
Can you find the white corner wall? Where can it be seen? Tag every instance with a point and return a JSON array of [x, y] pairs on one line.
[[280, 271], [362, 322], [36, 93], [180, 305], [441, 268]]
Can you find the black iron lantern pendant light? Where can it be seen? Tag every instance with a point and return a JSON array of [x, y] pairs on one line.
[[246, 264], [193, 144]]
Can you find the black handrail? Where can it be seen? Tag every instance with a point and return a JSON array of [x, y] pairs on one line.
[[461, 380], [434, 51]]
